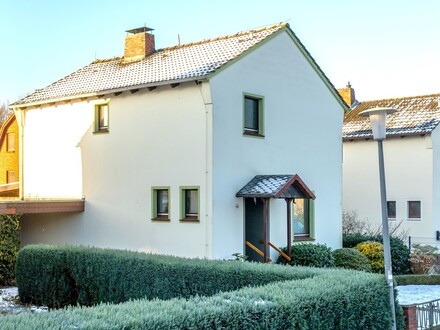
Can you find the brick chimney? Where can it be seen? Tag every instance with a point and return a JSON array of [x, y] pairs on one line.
[[347, 94], [138, 44]]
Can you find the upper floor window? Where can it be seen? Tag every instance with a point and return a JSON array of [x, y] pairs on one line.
[[414, 210], [101, 118], [391, 207], [253, 115], [10, 144], [161, 203], [189, 203]]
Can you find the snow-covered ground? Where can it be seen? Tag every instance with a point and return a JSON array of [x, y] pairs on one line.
[[10, 305], [416, 294]]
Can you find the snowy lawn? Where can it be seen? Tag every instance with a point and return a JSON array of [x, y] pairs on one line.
[[416, 294]]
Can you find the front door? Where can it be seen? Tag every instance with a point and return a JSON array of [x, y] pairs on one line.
[[254, 227]]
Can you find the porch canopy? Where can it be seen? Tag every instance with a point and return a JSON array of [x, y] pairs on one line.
[[287, 186]]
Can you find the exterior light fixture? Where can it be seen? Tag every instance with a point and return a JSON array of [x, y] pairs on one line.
[[378, 120]]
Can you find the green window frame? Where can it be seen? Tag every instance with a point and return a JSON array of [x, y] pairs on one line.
[[303, 219], [102, 111], [160, 203], [253, 115], [190, 203]]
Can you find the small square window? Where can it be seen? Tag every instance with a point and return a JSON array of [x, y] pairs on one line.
[[189, 203], [391, 206], [414, 210], [253, 116], [10, 145], [10, 176], [160, 203], [101, 118]]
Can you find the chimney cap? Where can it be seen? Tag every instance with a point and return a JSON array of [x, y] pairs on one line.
[[140, 30]]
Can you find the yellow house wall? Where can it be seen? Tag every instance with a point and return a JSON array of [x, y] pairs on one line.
[[9, 159]]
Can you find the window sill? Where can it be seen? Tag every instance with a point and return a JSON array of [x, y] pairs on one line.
[[10, 151], [161, 218], [190, 219], [253, 134], [303, 239], [101, 131], [414, 219], [392, 219]]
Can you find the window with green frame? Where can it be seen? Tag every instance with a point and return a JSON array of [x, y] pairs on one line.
[[303, 219], [253, 115], [101, 118], [160, 203], [189, 203]]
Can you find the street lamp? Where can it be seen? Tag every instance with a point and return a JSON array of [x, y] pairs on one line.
[[378, 120]]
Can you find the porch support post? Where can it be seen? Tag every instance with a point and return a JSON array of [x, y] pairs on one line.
[[289, 225], [265, 230]]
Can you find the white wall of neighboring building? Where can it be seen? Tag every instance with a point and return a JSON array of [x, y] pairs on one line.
[[303, 125], [408, 174], [156, 138]]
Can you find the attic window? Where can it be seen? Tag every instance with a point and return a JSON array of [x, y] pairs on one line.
[[10, 145], [101, 118], [253, 115]]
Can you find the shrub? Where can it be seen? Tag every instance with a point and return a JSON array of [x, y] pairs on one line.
[[310, 255], [9, 246], [399, 251], [374, 253], [423, 258], [417, 279], [326, 299], [351, 259]]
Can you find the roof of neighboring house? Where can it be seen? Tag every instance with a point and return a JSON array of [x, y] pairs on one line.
[[415, 115], [5, 125], [176, 64], [276, 186]]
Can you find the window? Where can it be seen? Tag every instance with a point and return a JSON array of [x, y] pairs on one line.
[[414, 210], [253, 115], [189, 203], [302, 216], [160, 203], [101, 118], [10, 176], [10, 144], [391, 206]]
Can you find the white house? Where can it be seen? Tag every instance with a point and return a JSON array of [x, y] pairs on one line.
[[412, 166], [149, 151]]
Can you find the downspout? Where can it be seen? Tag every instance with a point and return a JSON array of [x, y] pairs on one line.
[[20, 116]]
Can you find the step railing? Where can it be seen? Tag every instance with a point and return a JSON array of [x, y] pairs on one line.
[[257, 250]]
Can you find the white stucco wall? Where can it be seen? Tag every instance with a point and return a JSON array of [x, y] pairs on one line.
[[156, 138], [303, 124], [436, 182], [408, 174]]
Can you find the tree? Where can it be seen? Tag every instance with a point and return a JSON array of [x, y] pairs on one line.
[[4, 112]]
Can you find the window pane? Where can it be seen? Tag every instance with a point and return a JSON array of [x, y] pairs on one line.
[[11, 142], [414, 209], [301, 222], [103, 116], [391, 209], [162, 201], [10, 176], [251, 114], [191, 202]]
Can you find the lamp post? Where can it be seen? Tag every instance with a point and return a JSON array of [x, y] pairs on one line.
[[378, 119]]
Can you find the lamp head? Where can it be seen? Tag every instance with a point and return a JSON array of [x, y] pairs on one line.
[[378, 120]]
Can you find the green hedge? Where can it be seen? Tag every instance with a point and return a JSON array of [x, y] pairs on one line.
[[327, 299], [9, 246], [309, 255], [61, 276], [417, 279]]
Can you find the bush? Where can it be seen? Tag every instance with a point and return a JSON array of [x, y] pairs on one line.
[[374, 253], [9, 246], [325, 299], [61, 276], [417, 279], [351, 259], [310, 255], [399, 251]]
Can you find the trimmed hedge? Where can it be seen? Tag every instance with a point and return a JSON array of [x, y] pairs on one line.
[[417, 279], [399, 251], [309, 255], [328, 299], [60, 276], [350, 258], [9, 246]]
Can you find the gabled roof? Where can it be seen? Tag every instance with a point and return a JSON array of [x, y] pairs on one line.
[[276, 186], [415, 115], [176, 64]]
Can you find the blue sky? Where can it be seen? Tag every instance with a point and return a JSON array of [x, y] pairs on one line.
[[386, 48]]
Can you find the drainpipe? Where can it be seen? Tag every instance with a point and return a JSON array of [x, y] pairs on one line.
[[20, 116]]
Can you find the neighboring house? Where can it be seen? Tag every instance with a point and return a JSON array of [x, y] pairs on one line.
[[9, 174], [152, 149], [412, 166]]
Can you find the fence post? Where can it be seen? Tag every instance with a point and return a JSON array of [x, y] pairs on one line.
[[409, 314]]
